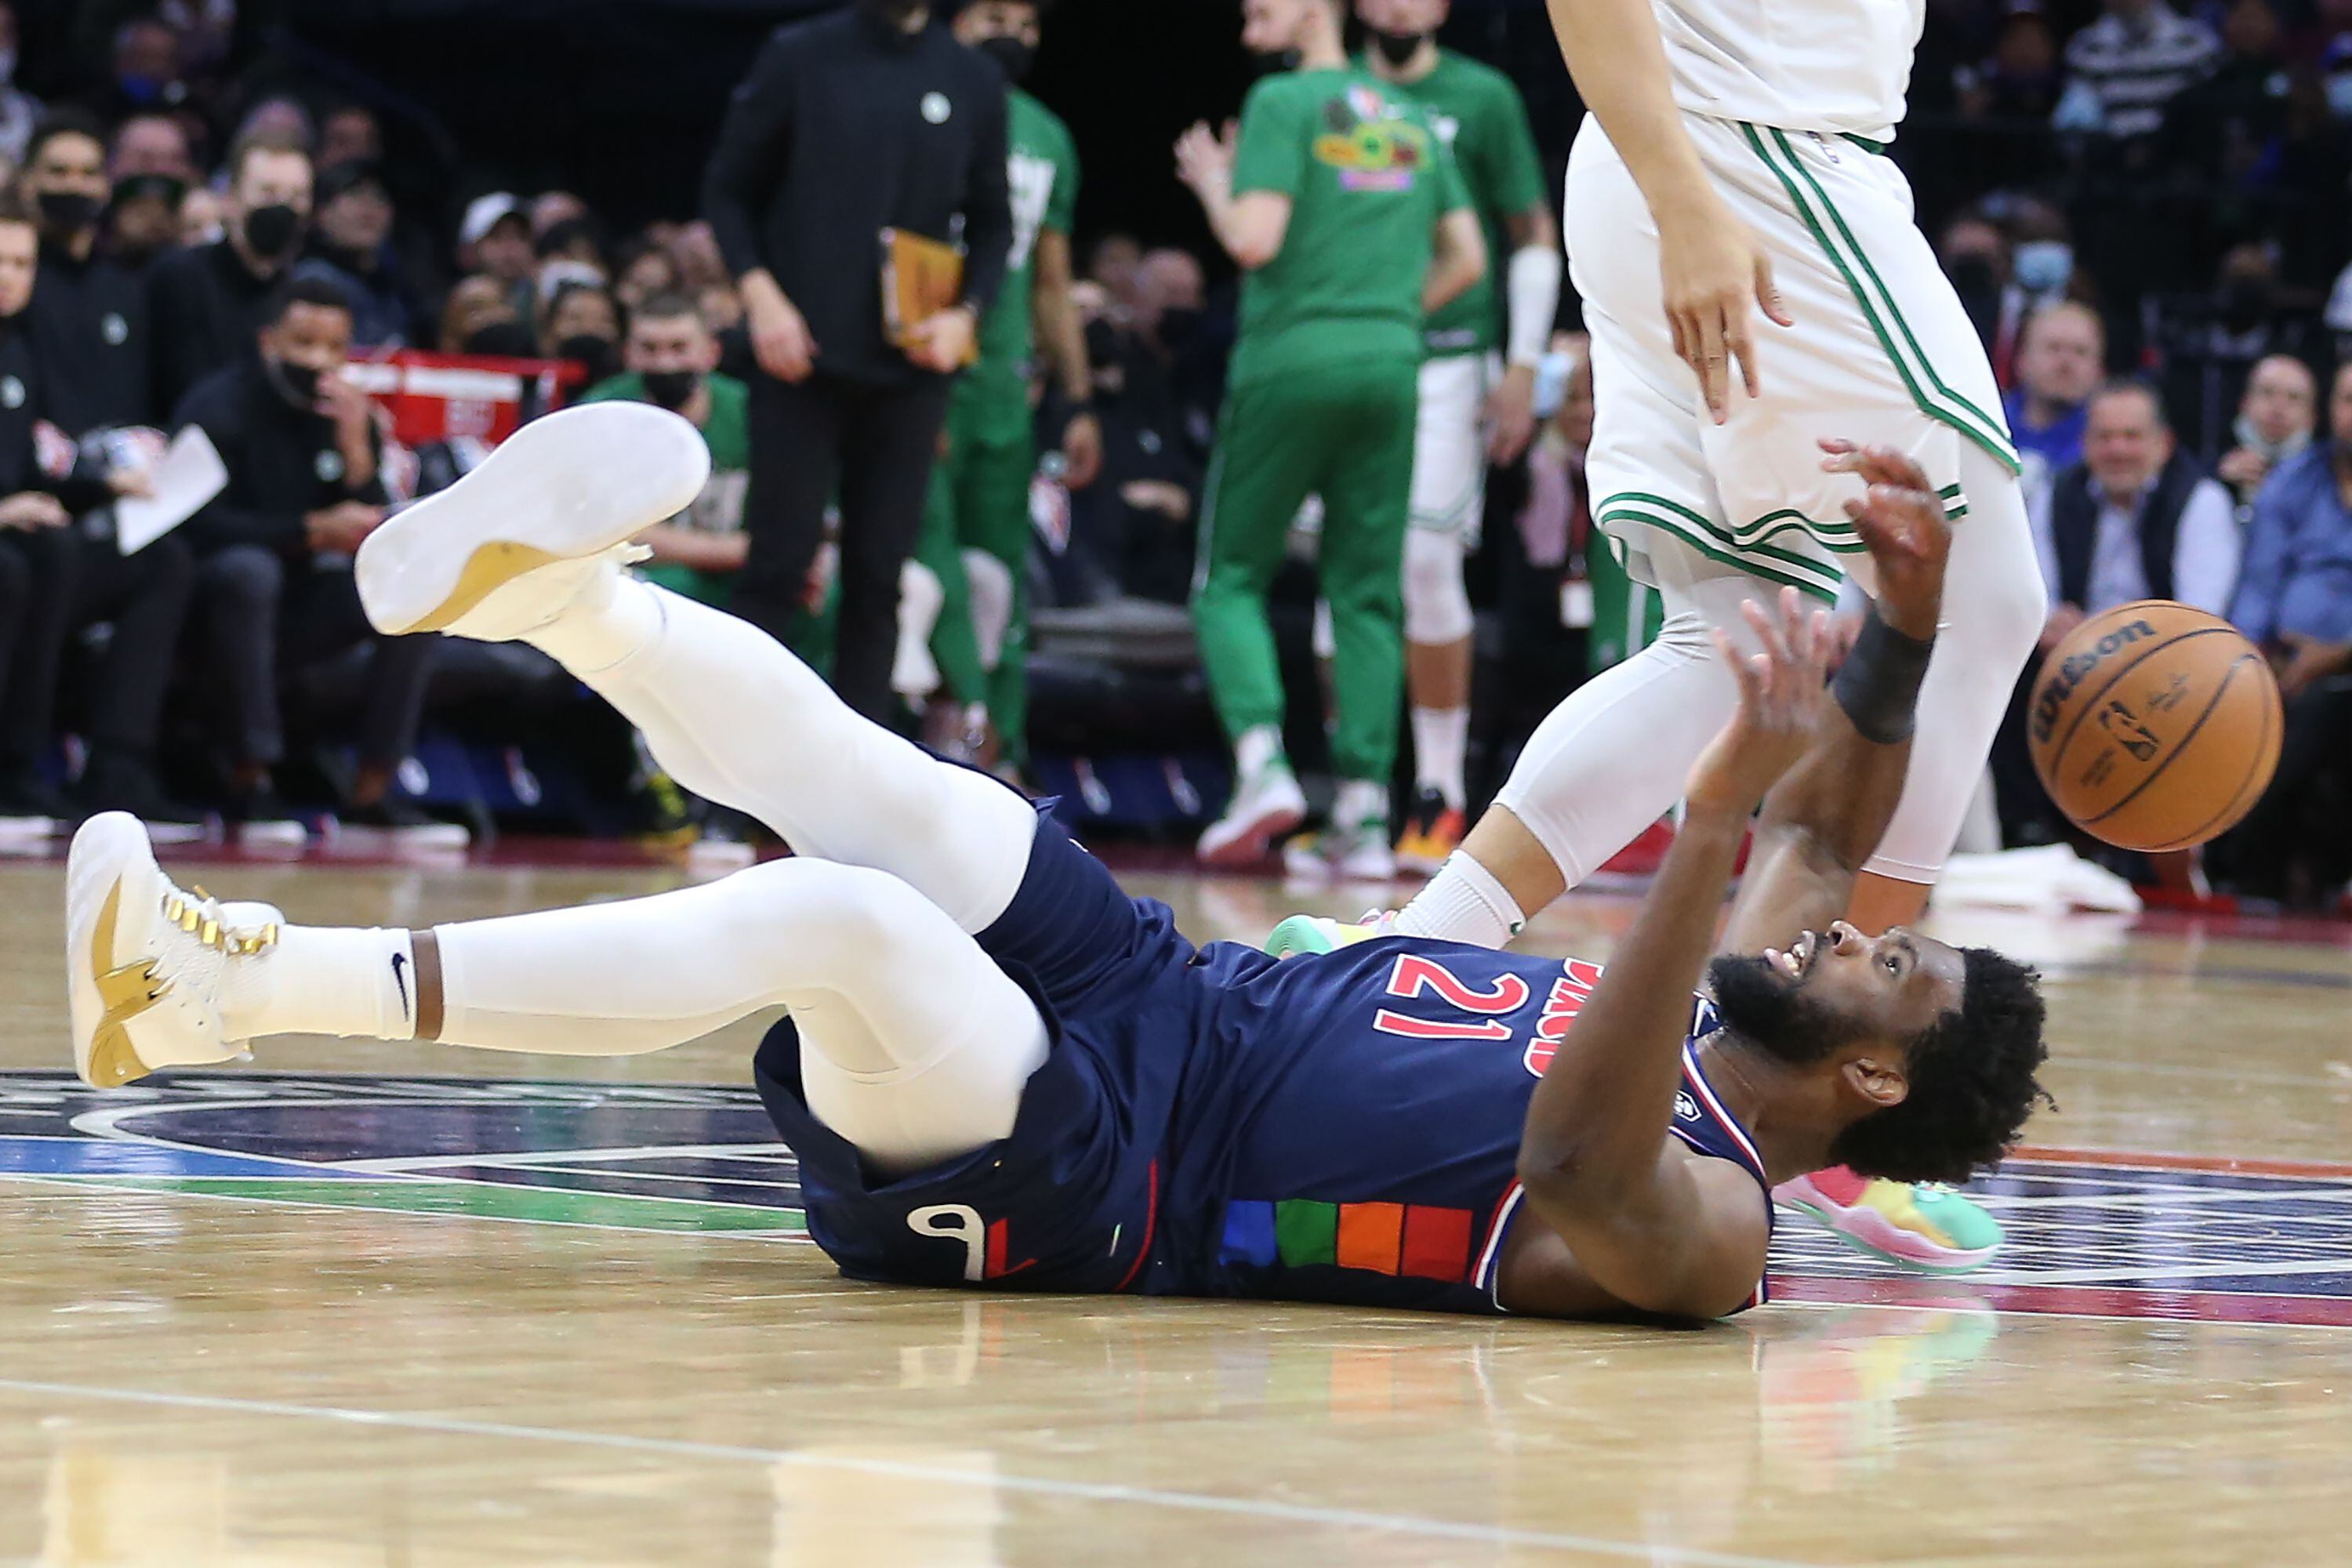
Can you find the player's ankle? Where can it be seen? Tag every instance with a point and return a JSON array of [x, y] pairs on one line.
[[614, 619], [357, 983]]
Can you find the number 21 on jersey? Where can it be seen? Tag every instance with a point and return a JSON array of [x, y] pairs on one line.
[[1482, 1009]]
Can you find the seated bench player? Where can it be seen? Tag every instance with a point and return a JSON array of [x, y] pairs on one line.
[[998, 1069]]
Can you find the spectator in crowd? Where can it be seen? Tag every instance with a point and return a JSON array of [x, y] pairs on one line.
[[1132, 532], [695, 248], [673, 361], [151, 145], [1113, 263], [349, 133], [1170, 310], [2124, 67], [2222, 130], [551, 210], [818, 155], [281, 117], [494, 241], [2060, 361], [19, 109], [645, 269], [146, 71], [204, 217], [583, 324], [208, 303], [304, 489], [479, 318], [2215, 343], [88, 321], [1975, 254], [2273, 425], [2294, 600], [2136, 519], [2008, 96], [55, 576], [577, 240], [2043, 270], [351, 244], [142, 221]]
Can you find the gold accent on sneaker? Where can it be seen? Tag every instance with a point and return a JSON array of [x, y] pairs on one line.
[[491, 567], [125, 993]]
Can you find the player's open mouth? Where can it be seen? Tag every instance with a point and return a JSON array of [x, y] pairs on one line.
[[1798, 959]]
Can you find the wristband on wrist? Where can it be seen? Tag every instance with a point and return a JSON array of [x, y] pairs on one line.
[[1878, 685]]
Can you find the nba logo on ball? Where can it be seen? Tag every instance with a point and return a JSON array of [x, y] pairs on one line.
[[2155, 726]]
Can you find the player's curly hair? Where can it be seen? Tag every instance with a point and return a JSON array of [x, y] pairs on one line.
[[1972, 1082]]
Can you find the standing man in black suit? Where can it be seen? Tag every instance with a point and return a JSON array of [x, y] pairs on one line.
[[869, 118]]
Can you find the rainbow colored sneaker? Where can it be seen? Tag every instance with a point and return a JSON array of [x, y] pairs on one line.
[[1303, 934], [1925, 1226]]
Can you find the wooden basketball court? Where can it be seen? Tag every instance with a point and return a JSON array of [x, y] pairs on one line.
[[364, 1304]]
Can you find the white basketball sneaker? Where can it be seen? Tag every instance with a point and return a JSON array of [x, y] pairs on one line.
[[506, 549], [1267, 804], [145, 961]]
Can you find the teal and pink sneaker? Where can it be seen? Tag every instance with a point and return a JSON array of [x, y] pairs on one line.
[[1303, 935], [1925, 1226]]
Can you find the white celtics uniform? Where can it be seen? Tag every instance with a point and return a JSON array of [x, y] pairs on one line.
[[1449, 448], [1791, 104]]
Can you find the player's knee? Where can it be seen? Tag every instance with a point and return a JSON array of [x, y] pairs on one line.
[[1436, 604], [800, 903]]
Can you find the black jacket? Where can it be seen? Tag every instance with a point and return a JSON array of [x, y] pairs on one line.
[[846, 127], [205, 308], [283, 461], [78, 484], [87, 323], [2075, 526]]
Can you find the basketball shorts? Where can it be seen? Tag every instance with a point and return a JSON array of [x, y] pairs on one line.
[[1449, 447], [1076, 1197], [1882, 353]]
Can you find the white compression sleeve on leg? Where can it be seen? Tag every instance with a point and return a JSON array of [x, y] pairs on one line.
[[1534, 290], [1611, 757], [735, 718], [911, 1073], [1994, 607]]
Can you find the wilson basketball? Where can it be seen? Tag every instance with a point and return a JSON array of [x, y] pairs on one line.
[[2155, 726]]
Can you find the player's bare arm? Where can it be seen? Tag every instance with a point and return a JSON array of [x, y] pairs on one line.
[[1457, 259], [1653, 1226], [1252, 225], [1713, 269], [1064, 340], [1826, 817]]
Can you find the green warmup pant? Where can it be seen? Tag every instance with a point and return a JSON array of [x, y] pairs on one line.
[[980, 500], [1344, 432]]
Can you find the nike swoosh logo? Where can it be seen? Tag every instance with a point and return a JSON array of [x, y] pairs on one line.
[[399, 960]]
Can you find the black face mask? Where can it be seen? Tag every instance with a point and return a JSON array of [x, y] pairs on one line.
[[895, 11], [1013, 55], [671, 388], [1398, 47], [503, 340], [1179, 325], [296, 384], [1273, 62], [71, 211], [271, 230], [587, 349]]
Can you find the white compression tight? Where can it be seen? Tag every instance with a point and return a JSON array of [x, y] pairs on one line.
[[916, 1044], [1611, 757]]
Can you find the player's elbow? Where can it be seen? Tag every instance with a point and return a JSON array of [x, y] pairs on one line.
[[1561, 1178], [1255, 249]]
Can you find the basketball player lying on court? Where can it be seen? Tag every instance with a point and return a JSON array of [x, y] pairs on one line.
[[998, 1069]]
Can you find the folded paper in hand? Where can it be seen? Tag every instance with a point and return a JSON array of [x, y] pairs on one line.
[[190, 474]]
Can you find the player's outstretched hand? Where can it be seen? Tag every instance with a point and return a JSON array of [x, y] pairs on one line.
[[1784, 692], [1716, 276], [1901, 521]]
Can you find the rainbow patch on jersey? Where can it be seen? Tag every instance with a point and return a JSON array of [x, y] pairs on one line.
[[1369, 145], [1413, 1240]]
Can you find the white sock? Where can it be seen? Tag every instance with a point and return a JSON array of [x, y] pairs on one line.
[[1257, 747], [1462, 902], [1441, 742], [1358, 801], [324, 980], [611, 621]]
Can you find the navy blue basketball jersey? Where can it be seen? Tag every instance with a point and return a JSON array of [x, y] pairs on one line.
[[1377, 1095], [1211, 1121]]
